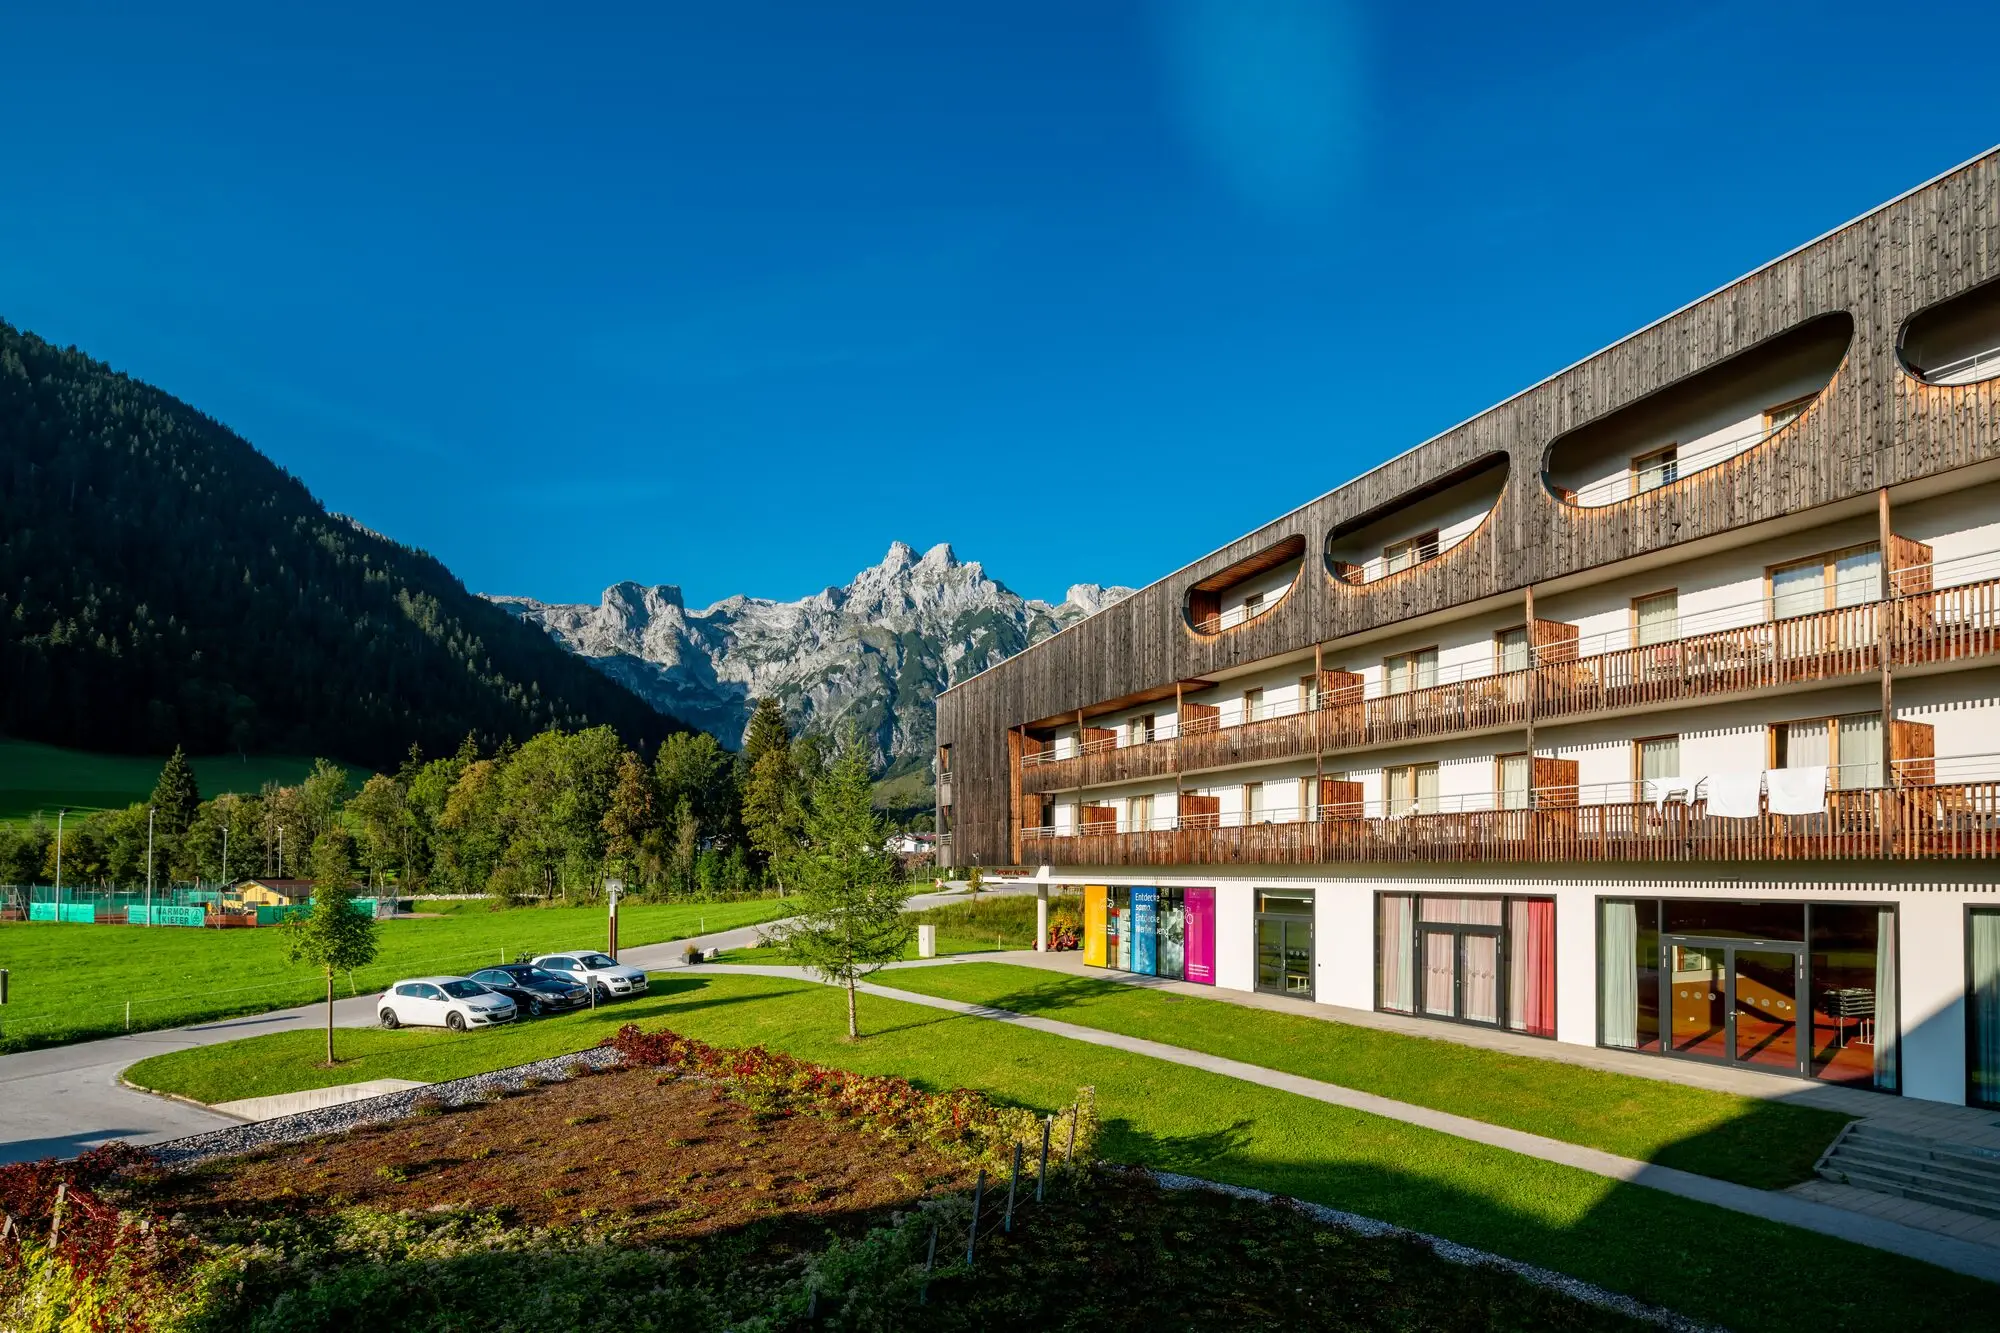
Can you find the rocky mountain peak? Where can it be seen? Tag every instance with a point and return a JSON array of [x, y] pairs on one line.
[[872, 654]]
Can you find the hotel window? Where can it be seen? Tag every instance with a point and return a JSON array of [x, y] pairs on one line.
[[1982, 1005], [1850, 746], [1401, 555], [1139, 814], [1410, 671], [1308, 694], [1513, 781], [1253, 705], [1852, 577], [1784, 414], [1411, 789], [1252, 604], [1253, 803], [1307, 800], [1140, 730], [1510, 649], [1656, 619], [1657, 757], [1654, 470]]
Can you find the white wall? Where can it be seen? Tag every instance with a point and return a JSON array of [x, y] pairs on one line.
[[1453, 513]]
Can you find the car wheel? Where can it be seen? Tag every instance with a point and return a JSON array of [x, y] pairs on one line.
[[455, 1021], [534, 1008], [390, 1021]]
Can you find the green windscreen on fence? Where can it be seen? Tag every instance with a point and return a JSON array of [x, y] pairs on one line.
[[164, 916]]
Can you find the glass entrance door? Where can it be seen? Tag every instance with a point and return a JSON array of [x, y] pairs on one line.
[[1285, 955], [1459, 968], [1736, 1002]]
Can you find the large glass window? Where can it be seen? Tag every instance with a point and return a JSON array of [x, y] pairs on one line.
[[1489, 961], [1410, 671], [1657, 619], [1285, 942], [1982, 1004], [1801, 988], [1510, 649], [1144, 930], [1628, 991]]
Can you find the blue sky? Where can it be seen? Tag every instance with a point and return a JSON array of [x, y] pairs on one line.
[[732, 296]]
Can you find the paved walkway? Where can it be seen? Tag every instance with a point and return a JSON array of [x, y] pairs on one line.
[[58, 1101], [1961, 1256]]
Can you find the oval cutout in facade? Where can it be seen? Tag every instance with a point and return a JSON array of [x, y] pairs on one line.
[[1240, 593], [1418, 526], [1698, 422], [1956, 341]]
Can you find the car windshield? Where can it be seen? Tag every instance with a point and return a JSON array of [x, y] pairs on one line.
[[597, 960], [538, 977], [463, 990], [491, 977]]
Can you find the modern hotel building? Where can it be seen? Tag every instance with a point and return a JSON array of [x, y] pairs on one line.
[[1656, 707]]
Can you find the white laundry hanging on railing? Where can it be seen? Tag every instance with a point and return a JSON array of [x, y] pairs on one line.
[[1658, 791], [1735, 795], [1797, 791]]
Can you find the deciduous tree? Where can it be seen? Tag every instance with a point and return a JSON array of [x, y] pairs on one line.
[[335, 936]]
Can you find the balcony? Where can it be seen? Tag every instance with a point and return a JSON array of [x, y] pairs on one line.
[[1955, 342], [1246, 590], [1930, 809], [1938, 612]]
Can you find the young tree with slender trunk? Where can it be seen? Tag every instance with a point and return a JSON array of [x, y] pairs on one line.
[[336, 936], [850, 918]]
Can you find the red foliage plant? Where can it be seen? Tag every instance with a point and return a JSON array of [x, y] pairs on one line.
[[961, 1123], [58, 1204]]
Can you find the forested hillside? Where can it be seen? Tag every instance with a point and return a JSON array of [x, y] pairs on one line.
[[163, 583]]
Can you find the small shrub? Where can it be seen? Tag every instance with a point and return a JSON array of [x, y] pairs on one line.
[[429, 1104]]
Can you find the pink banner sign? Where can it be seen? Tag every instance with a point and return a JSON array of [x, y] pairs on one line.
[[1201, 936]]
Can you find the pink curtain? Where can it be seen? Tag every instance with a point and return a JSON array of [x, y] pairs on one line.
[[1531, 979], [1460, 911]]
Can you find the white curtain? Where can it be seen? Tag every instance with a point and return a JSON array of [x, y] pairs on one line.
[[1857, 578], [1618, 966], [1659, 618], [1514, 782], [1860, 751], [1427, 789], [1888, 1046], [1513, 650], [1461, 911], [1806, 744], [1798, 590], [1984, 1002], [1398, 912]]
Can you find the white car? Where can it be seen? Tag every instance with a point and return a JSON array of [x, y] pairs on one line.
[[605, 976], [457, 1003]]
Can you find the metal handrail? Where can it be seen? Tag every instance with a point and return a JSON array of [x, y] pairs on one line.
[[1627, 484], [1952, 373], [1369, 571]]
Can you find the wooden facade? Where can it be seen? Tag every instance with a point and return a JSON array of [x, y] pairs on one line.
[[1874, 426]]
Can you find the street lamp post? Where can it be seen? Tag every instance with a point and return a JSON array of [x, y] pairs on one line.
[[225, 852], [612, 888], [59, 823], [150, 811]]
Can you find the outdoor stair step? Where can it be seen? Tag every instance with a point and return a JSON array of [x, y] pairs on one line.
[[1961, 1156], [1942, 1198], [1869, 1158]]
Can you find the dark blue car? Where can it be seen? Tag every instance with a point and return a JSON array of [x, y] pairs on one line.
[[532, 990]]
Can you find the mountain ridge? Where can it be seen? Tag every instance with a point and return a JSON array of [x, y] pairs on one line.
[[873, 652]]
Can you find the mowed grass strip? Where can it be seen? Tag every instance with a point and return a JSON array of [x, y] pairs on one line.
[[71, 982], [1724, 1267], [993, 924], [1764, 1144]]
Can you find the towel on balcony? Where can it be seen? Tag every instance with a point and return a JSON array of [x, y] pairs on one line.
[[1657, 791], [1734, 795], [1797, 791]]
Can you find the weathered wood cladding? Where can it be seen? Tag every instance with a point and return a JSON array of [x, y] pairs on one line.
[[1873, 426]]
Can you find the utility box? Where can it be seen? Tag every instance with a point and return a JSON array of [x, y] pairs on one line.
[[926, 941]]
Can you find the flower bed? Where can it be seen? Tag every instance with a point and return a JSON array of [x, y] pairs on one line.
[[965, 1124]]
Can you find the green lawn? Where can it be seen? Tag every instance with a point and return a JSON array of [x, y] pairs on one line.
[[1768, 1145], [1716, 1265], [45, 778], [976, 925], [71, 982]]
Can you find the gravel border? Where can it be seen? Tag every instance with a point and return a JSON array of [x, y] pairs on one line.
[[249, 1137], [1451, 1252]]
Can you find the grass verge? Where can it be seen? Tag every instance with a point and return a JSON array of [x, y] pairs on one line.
[[1764, 1144], [1728, 1268], [992, 924]]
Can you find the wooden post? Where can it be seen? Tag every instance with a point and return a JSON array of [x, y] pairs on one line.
[[1885, 612], [1534, 685]]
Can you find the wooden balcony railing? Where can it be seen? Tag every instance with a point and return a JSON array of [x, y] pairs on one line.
[[1954, 820], [1924, 626]]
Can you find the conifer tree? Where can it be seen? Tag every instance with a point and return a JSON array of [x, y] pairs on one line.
[[176, 796]]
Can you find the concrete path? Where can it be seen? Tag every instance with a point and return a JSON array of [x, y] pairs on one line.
[[58, 1101], [1979, 1261]]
